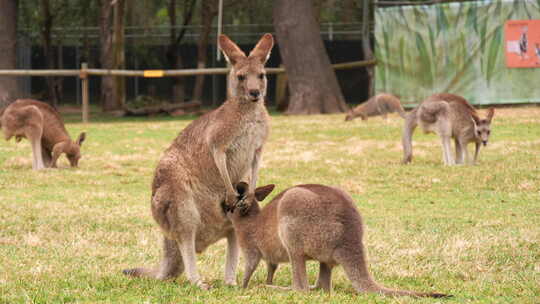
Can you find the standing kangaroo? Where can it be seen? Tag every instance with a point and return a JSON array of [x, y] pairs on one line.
[[380, 104], [306, 222], [194, 180], [42, 125], [449, 116]]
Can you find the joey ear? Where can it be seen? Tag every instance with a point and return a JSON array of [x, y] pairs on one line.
[[263, 48], [81, 138], [230, 50], [242, 188], [491, 112], [262, 192]]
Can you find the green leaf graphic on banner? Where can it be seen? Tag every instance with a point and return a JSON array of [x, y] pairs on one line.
[[385, 58], [497, 11], [442, 21], [471, 17], [459, 13], [495, 47], [526, 9], [432, 43], [425, 64], [483, 38], [401, 57]]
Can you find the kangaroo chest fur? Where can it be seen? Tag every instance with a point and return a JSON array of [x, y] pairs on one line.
[[251, 136]]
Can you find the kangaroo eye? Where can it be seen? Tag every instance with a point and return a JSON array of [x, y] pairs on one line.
[[261, 76], [241, 77], [488, 132]]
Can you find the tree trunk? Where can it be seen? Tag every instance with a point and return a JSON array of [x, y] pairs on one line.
[[119, 54], [111, 26], [174, 57], [312, 82], [366, 45], [208, 13], [9, 89], [51, 56], [106, 57]]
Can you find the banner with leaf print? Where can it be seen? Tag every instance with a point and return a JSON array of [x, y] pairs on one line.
[[453, 47]]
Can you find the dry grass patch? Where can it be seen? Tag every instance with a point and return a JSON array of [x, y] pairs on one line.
[[472, 231]]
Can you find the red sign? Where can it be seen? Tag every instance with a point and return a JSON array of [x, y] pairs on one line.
[[522, 39]]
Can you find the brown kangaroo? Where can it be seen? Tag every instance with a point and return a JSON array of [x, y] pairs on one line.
[[306, 222], [449, 116], [194, 180], [42, 125], [380, 104]]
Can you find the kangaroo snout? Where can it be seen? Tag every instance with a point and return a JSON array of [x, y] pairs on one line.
[[484, 142], [254, 94]]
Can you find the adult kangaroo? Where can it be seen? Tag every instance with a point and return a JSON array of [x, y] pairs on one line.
[[42, 125], [449, 116], [194, 179], [306, 222], [380, 104]]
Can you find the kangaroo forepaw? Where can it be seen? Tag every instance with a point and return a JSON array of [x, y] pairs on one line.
[[243, 206]]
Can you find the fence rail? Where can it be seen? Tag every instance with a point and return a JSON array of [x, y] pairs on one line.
[[84, 72]]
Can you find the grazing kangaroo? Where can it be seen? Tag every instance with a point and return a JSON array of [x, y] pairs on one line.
[[306, 222], [449, 116], [194, 180], [380, 104], [42, 125]]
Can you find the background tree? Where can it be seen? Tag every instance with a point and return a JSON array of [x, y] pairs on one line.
[[366, 44], [312, 82], [111, 27], [8, 49], [174, 57], [208, 10], [48, 16]]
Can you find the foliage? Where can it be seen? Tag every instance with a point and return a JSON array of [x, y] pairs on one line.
[[472, 231], [454, 47]]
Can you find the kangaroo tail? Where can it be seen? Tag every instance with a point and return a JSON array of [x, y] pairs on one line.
[[397, 292], [356, 269], [406, 139]]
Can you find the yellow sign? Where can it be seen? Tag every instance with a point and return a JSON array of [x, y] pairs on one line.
[[153, 73]]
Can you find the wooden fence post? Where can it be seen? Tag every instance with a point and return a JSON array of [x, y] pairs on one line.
[[85, 94]]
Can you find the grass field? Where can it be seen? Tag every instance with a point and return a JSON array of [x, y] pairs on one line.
[[471, 231]]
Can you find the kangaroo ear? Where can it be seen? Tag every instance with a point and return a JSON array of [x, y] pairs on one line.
[[491, 112], [242, 188], [262, 192], [262, 50], [230, 50], [81, 138]]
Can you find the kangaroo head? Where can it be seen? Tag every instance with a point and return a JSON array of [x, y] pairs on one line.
[[482, 127], [71, 148], [247, 78], [249, 202]]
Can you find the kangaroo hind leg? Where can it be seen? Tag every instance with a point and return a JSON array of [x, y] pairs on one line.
[[325, 277], [33, 130], [170, 267]]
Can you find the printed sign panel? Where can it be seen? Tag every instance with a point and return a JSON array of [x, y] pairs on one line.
[[522, 43], [459, 48]]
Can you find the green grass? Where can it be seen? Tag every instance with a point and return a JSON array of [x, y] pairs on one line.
[[471, 231]]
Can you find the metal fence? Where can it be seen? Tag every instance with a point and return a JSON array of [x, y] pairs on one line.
[[145, 48]]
